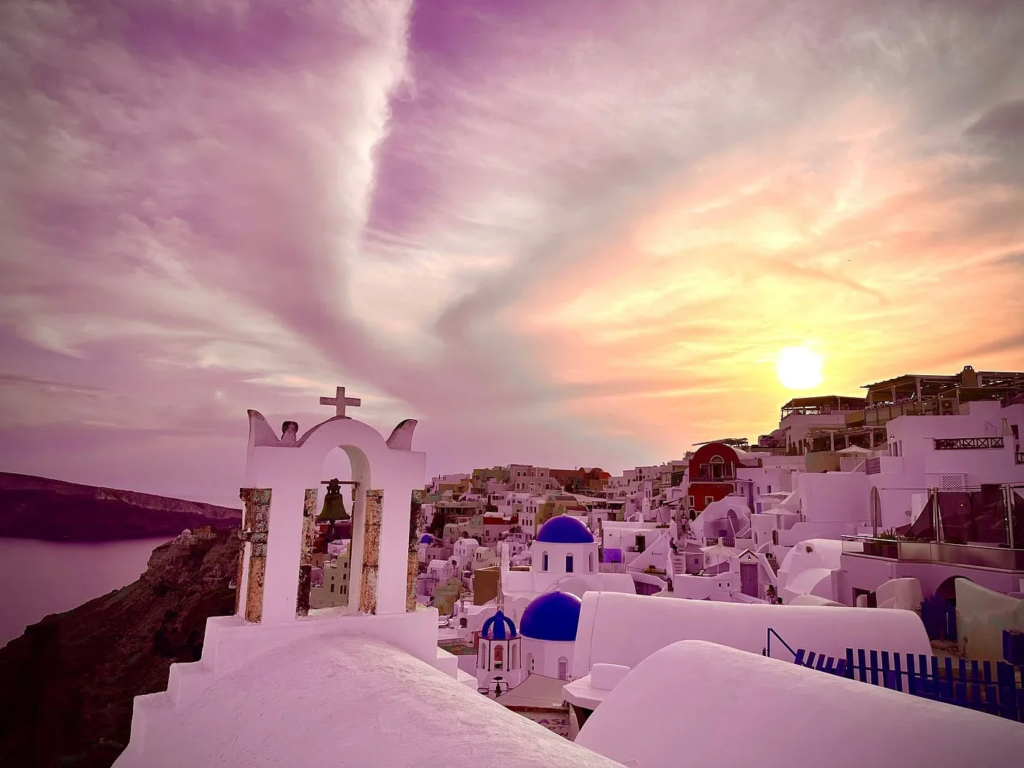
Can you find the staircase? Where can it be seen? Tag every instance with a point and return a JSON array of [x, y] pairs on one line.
[[678, 563], [231, 643]]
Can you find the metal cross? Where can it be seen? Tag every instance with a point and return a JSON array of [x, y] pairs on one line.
[[339, 401]]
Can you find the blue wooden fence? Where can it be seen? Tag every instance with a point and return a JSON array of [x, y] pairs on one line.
[[939, 618], [963, 683]]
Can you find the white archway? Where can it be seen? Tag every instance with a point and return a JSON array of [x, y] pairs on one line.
[[288, 470]]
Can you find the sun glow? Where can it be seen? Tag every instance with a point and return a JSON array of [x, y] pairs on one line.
[[798, 368]]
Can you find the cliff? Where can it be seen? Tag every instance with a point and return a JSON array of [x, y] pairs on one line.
[[67, 684], [52, 510]]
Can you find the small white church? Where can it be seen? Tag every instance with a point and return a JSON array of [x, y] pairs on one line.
[[281, 684]]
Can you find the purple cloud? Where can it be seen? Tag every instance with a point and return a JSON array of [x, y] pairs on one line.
[[552, 231]]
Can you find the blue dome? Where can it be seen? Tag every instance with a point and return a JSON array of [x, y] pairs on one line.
[[498, 627], [554, 616], [427, 539], [565, 529]]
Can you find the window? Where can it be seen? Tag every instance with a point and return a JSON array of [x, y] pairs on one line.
[[483, 657], [708, 500], [590, 562], [513, 662], [529, 663], [332, 586], [769, 489], [689, 500], [568, 563], [544, 562], [499, 657]]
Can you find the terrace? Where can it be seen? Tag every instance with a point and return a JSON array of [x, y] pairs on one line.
[[980, 527], [825, 404]]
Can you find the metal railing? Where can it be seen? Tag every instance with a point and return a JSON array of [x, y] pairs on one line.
[[967, 443], [768, 644]]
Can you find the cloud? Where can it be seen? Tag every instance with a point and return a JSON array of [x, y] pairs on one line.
[[550, 231]]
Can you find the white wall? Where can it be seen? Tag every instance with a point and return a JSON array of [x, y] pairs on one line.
[[624, 629], [546, 655], [584, 556]]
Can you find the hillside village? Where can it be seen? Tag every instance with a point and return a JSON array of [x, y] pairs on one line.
[[869, 545]]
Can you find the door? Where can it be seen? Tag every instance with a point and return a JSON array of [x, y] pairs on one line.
[[748, 579]]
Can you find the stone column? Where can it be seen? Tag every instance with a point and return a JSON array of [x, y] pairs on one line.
[[306, 552], [371, 551], [257, 524], [414, 545]]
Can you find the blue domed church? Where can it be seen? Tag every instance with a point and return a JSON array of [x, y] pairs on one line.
[[549, 634], [564, 557]]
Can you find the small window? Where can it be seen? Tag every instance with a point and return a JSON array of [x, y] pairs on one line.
[[769, 489], [591, 561], [708, 500], [568, 563], [544, 567]]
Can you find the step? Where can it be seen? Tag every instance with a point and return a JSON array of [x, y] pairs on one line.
[[186, 682], [447, 663], [147, 711]]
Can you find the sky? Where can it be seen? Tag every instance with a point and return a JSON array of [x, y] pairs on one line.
[[561, 233]]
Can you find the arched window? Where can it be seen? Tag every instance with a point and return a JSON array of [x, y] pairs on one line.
[[513, 662], [483, 657], [563, 668], [590, 561], [499, 657], [544, 562], [568, 563]]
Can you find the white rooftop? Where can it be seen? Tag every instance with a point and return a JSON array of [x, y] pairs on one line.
[[352, 701], [699, 704]]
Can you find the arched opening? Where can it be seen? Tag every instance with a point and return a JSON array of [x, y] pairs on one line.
[[499, 656], [947, 589], [568, 563], [327, 549], [717, 467], [563, 668], [482, 663], [544, 562], [513, 661]]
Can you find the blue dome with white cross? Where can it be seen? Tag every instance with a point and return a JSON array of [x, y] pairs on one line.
[[498, 627]]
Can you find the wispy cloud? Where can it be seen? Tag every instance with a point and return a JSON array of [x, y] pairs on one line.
[[571, 233]]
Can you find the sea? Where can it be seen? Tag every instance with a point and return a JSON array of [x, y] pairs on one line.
[[38, 578]]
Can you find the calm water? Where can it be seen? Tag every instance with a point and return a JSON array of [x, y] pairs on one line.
[[40, 577]]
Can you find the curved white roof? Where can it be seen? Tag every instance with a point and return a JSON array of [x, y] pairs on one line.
[[682, 706], [625, 629], [352, 701]]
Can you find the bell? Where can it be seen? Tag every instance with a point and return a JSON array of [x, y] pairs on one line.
[[334, 504]]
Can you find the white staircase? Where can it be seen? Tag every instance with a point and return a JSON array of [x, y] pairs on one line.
[[230, 643]]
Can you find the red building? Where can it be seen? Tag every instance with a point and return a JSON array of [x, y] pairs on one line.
[[713, 474]]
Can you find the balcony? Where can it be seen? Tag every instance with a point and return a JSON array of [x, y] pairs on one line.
[[967, 443], [977, 555]]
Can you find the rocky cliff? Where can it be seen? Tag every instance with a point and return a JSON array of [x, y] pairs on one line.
[[67, 685], [52, 510]]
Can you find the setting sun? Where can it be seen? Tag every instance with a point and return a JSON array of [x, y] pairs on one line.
[[798, 368]]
